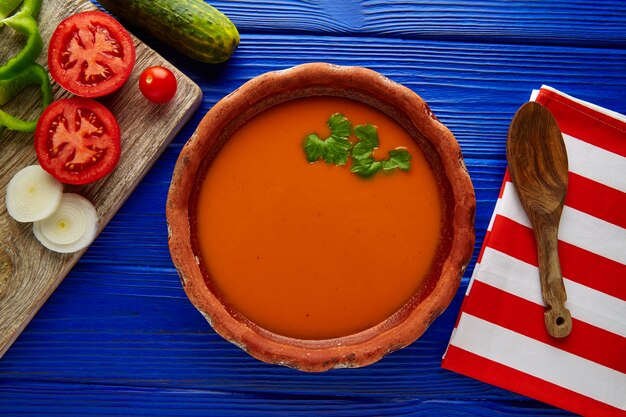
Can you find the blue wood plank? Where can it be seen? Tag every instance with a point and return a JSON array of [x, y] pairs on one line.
[[473, 88], [575, 23], [120, 337], [52, 398]]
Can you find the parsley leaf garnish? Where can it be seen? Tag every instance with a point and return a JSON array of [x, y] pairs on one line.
[[336, 148], [398, 158], [365, 167], [368, 141], [314, 148], [363, 162]]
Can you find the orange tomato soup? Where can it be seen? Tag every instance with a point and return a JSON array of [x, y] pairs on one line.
[[313, 251]]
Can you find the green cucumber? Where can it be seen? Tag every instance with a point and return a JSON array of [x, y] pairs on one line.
[[191, 26]]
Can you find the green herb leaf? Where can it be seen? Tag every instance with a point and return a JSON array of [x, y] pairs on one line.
[[314, 148], [368, 141], [363, 162], [365, 167], [336, 148], [340, 127], [398, 158]]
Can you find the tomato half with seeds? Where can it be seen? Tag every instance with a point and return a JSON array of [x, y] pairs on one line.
[[91, 54], [77, 140]]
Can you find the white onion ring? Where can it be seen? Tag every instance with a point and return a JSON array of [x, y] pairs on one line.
[[72, 227], [33, 194]]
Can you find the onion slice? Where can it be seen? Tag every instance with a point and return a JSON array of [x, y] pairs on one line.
[[33, 194], [72, 227]]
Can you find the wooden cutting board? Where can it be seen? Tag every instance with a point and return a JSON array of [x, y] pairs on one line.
[[29, 273]]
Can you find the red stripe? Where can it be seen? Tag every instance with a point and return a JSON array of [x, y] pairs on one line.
[[586, 124], [525, 317], [577, 264], [494, 373], [607, 203], [596, 199]]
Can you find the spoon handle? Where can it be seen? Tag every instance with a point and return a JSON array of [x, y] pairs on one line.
[[558, 319]]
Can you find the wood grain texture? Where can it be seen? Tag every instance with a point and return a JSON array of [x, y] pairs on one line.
[[538, 165], [574, 23], [146, 131], [120, 337]]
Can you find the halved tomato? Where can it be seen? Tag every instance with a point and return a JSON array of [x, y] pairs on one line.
[[91, 54], [77, 140]]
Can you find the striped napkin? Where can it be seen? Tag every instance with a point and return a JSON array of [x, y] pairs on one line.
[[500, 336]]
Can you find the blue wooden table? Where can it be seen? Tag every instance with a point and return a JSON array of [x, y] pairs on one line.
[[119, 336]]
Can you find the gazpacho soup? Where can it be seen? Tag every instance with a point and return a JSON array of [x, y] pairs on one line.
[[315, 238]]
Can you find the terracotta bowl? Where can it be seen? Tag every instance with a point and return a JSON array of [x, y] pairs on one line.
[[444, 156]]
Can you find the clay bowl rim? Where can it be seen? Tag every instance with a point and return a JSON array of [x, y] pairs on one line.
[[400, 329]]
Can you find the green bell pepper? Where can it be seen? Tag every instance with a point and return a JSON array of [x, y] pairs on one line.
[[33, 74], [6, 7], [23, 22], [29, 7]]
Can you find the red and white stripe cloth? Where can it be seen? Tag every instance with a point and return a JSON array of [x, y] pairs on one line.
[[500, 336]]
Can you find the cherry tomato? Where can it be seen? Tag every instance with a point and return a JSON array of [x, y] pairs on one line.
[[158, 84], [91, 54], [77, 140]]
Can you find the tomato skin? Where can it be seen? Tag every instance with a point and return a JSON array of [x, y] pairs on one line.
[[77, 140], [158, 84], [91, 54]]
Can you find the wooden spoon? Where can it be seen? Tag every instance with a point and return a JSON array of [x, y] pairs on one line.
[[538, 167]]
